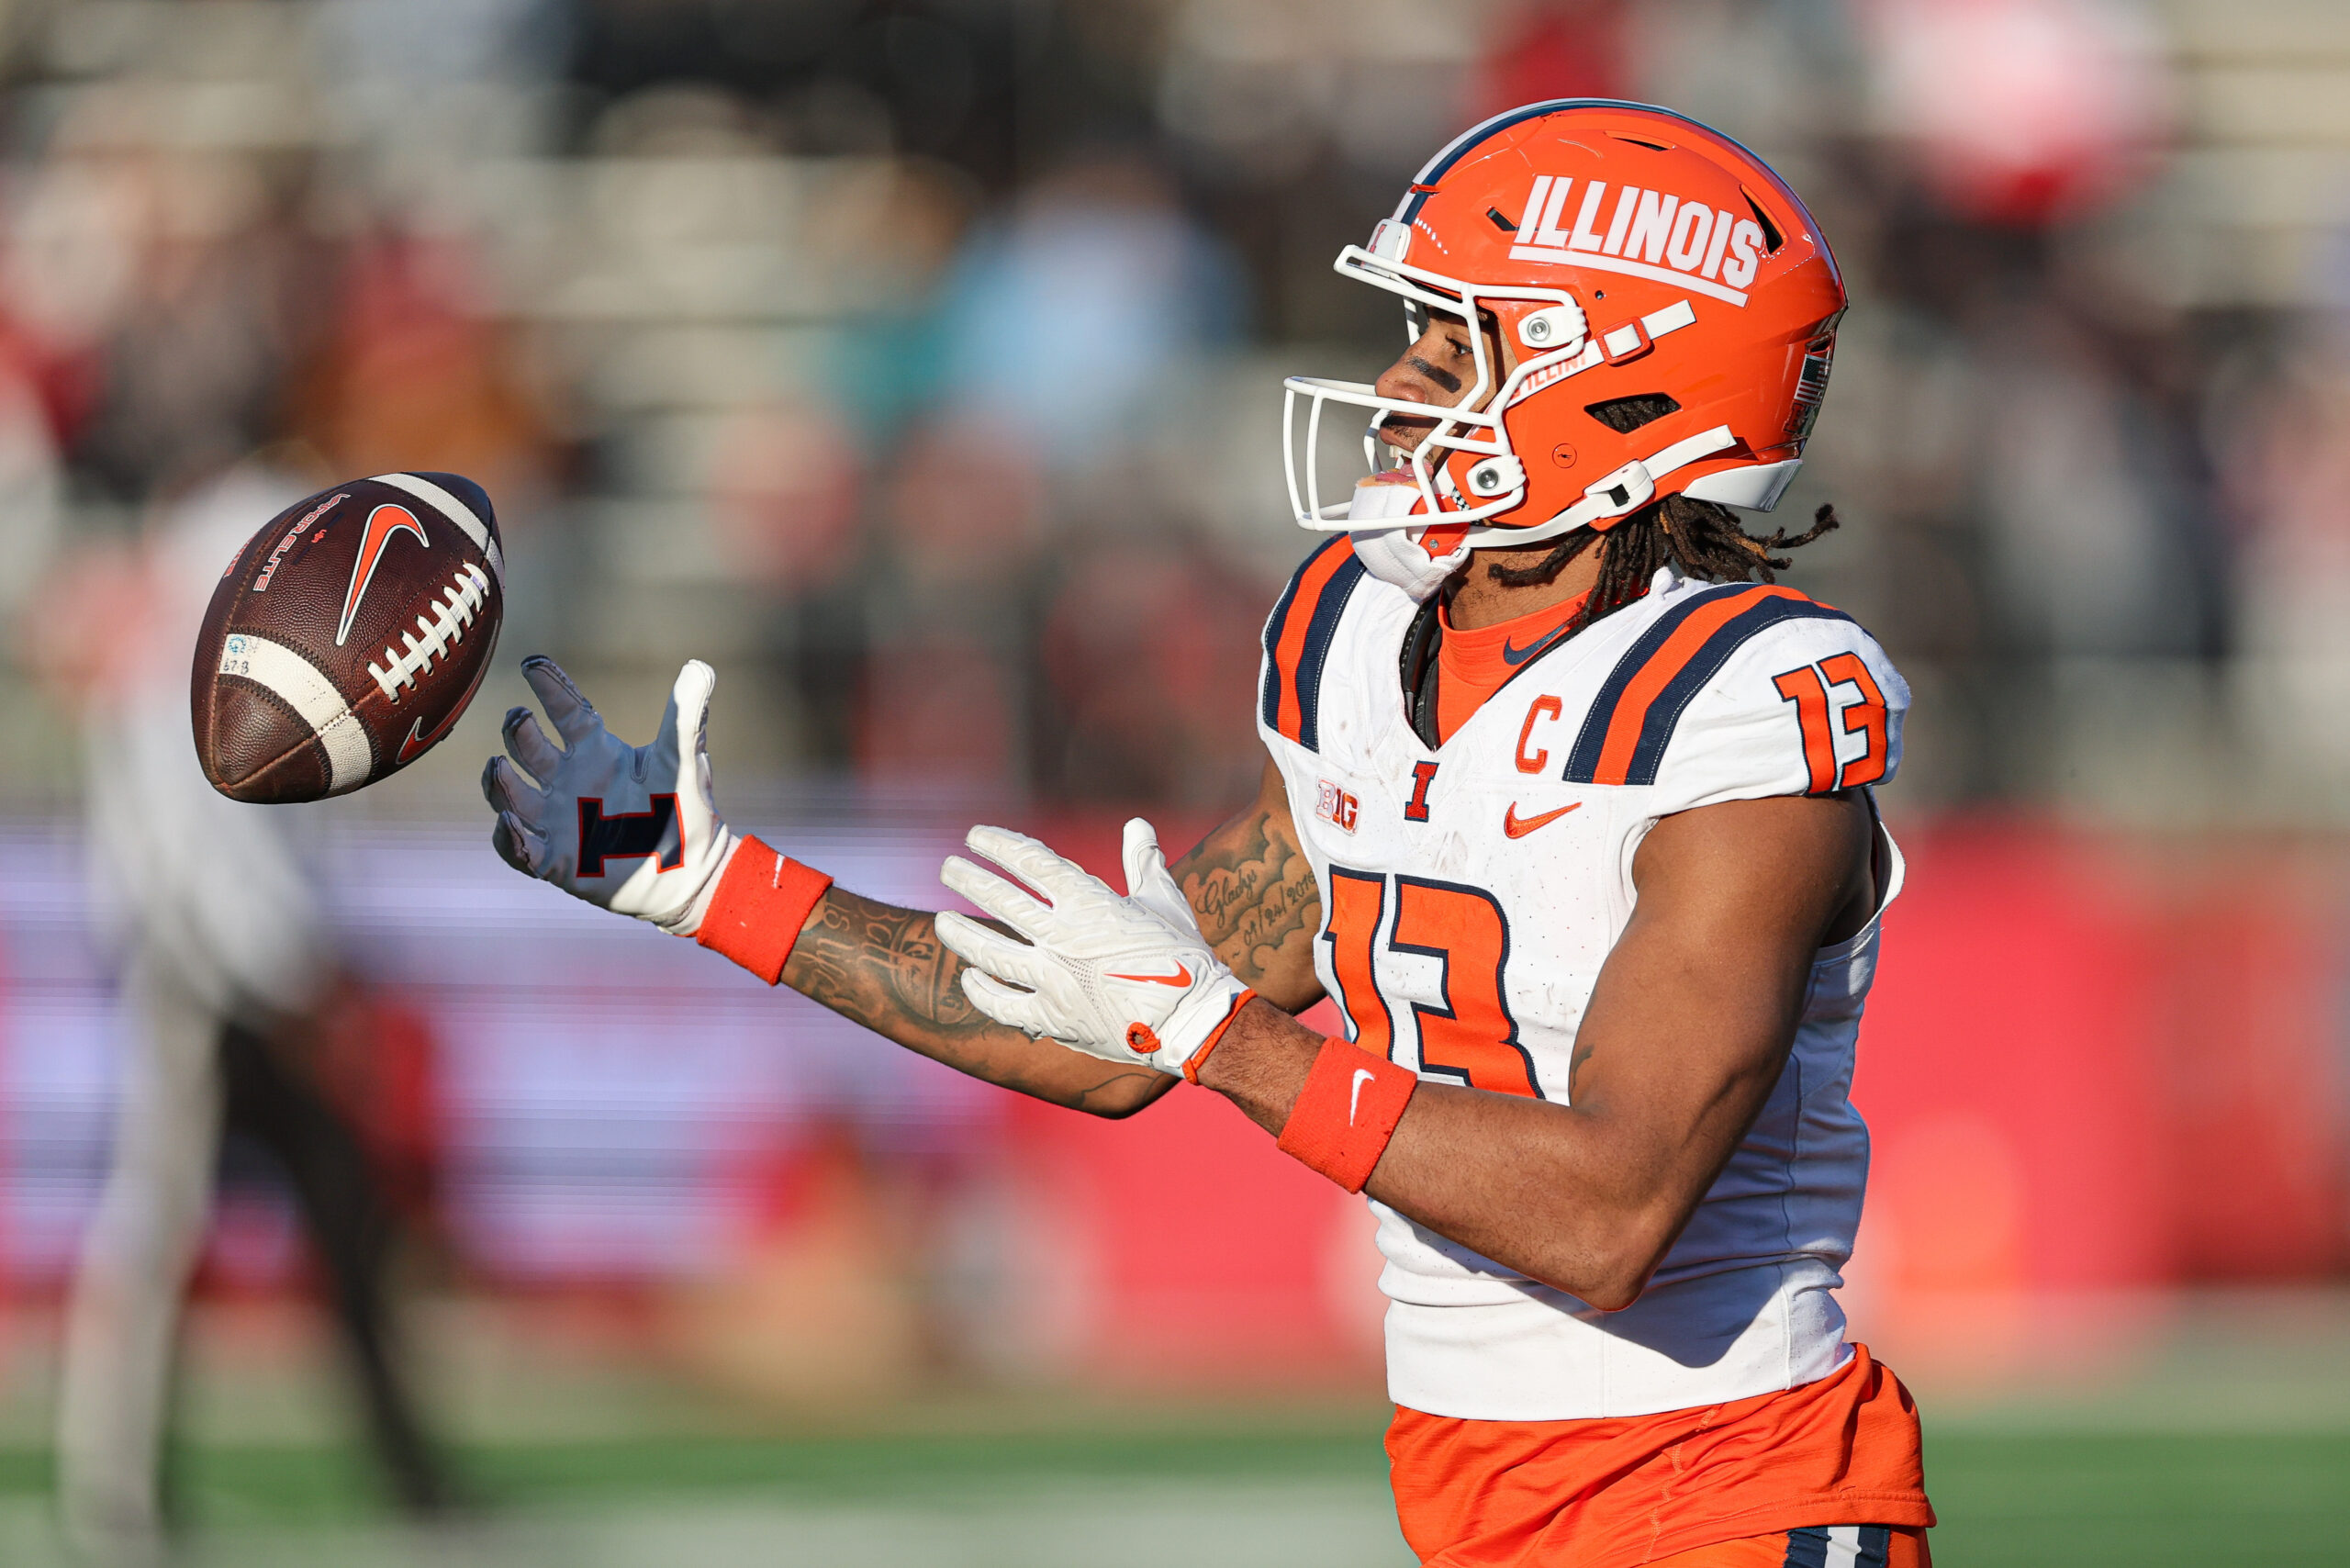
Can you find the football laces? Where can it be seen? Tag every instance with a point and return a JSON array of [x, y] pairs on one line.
[[435, 635]]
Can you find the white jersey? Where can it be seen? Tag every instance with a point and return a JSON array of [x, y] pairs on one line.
[[1469, 894]]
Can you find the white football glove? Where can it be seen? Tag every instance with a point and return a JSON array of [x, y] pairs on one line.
[[635, 829], [1125, 979]]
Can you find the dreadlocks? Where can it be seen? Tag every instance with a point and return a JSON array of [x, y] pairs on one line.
[[1702, 539]]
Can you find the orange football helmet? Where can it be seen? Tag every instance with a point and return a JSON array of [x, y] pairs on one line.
[[1670, 303]]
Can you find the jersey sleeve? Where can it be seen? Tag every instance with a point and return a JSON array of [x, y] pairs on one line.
[[1800, 701]]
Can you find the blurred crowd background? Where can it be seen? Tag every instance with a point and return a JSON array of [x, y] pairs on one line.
[[912, 362], [917, 364]]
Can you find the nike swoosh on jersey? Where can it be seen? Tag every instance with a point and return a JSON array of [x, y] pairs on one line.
[[1362, 1075], [381, 523], [1183, 976], [1518, 827], [1512, 654]]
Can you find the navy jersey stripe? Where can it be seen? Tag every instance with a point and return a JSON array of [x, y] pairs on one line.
[[1665, 709], [1582, 762], [1807, 1548], [1270, 702], [1316, 655], [1656, 730]]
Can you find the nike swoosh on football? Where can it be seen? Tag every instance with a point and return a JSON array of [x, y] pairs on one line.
[[1362, 1075], [418, 743], [1512, 654], [1518, 827], [381, 523], [1183, 976]]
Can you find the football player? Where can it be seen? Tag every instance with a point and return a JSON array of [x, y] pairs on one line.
[[1568, 809]]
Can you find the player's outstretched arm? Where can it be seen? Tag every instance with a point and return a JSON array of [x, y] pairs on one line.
[[1687, 1032], [885, 968], [637, 830], [1248, 882]]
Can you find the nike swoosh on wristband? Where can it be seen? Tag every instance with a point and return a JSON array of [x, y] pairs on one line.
[[1513, 653], [1362, 1075], [1183, 976], [1518, 827]]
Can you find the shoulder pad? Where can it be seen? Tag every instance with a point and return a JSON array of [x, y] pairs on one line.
[[1631, 723], [1803, 705]]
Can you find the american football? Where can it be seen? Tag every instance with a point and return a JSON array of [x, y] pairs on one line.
[[347, 637]]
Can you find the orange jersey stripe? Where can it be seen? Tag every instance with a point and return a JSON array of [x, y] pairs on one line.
[[1311, 583], [1632, 709]]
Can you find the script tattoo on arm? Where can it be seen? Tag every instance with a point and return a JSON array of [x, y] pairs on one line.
[[1258, 906], [885, 968]]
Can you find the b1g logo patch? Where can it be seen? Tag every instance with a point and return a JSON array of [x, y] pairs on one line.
[[1336, 806]]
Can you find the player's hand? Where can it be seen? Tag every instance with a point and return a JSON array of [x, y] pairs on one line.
[[635, 829], [1125, 979]]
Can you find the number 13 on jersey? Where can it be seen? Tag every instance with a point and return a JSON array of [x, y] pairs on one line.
[[1468, 1034], [1813, 689]]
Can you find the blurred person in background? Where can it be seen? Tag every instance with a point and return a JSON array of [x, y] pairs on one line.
[[1596, 1081], [187, 292], [949, 610], [233, 999], [2285, 459], [1098, 258], [1145, 644]]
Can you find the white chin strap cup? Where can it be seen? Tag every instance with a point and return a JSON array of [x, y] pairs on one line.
[[1398, 559]]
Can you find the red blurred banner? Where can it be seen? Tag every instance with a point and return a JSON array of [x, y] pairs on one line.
[[2092, 1070]]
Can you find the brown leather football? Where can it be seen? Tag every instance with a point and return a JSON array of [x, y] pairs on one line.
[[347, 637]]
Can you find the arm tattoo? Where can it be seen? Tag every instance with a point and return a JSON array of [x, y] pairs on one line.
[[886, 969], [1255, 895], [881, 967]]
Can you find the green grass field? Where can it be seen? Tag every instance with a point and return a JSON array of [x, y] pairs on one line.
[[1138, 1497]]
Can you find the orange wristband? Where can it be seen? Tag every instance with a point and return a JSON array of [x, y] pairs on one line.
[[1347, 1112], [761, 903]]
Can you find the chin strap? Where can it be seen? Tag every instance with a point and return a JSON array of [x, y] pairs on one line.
[[1625, 490], [1396, 557]]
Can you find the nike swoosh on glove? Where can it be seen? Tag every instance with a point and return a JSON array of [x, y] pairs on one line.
[[1125, 979], [635, 829]]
